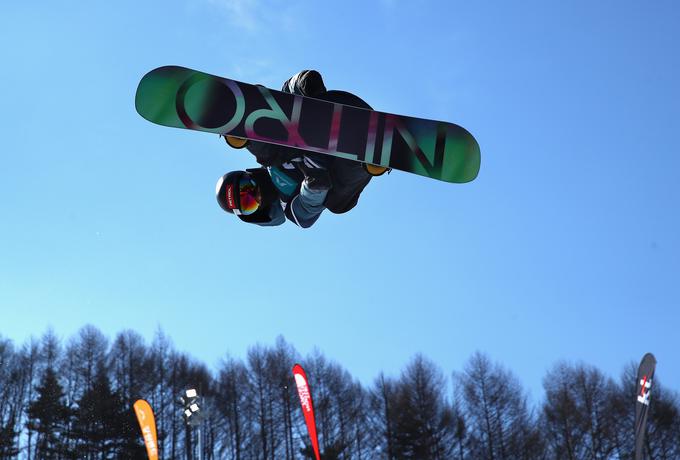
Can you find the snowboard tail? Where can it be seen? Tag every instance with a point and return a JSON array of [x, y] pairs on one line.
[[184, 98]]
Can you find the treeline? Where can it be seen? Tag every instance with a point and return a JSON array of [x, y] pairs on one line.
[[72, 400]]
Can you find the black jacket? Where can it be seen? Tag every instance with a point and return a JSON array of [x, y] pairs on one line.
[[348, 178]]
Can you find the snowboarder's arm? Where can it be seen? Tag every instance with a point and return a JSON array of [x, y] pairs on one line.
[[306, 207]]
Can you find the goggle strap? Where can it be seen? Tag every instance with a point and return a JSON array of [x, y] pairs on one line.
[[232, 198]]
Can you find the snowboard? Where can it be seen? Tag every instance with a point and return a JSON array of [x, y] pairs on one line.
[[184, 98]]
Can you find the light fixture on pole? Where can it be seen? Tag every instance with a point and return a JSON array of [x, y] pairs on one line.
[[191, 403], [193, 416]]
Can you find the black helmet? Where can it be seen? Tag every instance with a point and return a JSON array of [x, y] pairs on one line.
[[248, 194]]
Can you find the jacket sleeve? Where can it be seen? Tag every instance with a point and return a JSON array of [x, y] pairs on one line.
[[306, 207], [305, 83]]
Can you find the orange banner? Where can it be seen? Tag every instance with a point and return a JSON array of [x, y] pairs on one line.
[[148, 425]]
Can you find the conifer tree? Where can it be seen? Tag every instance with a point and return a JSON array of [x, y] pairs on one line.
[[424, 419], [49, 417], [100, 420], [8, 436]]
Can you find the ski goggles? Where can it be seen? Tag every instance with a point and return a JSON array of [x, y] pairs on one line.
[[249, 195]]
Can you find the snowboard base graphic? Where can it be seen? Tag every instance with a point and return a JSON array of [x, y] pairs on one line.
[[184, 98]]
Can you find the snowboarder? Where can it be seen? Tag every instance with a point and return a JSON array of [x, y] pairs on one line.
[[292, 183]]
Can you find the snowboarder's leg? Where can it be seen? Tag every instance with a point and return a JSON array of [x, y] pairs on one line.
[[349, 179]]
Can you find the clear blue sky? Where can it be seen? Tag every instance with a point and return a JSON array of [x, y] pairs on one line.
[[567, 246]]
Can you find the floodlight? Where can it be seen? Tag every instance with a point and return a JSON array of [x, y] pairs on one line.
[[191, 393]]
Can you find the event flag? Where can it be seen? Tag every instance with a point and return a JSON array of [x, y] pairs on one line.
[[645, 376], [307, 407], [147, 424]]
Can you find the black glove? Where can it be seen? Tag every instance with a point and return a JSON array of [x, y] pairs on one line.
[[317, 178], [319, 181]]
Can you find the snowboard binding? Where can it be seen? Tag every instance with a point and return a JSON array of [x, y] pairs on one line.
[[236, 142], [375, 170]]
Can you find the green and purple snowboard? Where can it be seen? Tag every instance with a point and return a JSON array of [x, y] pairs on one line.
[[184, 98]]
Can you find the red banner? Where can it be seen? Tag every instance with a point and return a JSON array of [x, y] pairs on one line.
[[307, 407], [148, 425]]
